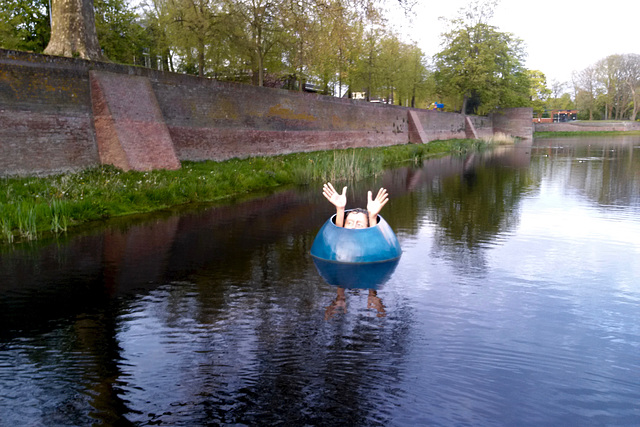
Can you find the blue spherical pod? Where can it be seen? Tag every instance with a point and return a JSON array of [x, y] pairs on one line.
[[356, 258], [364, 245]]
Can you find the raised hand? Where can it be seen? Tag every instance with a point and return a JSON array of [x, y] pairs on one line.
[[374, 206], [336, 199]]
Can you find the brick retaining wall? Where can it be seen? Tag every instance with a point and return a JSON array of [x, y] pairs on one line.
[[514, 121], [47, 124], [208, 119]]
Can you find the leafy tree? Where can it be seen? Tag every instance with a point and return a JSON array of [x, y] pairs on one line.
[[610, 88], [157, 44], [413, 77], [24, 25], [481, 65], [345, 41], [334, 36], [403, 71], [368, 64], [586, 91], [564, 102], [389, 66], [302, 41], [193, 27], [539, 91], [609, 78], [631, 77], [256, 32], [121, 36]]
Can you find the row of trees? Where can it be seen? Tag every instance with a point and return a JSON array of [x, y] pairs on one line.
[[606, 90], [339, 46], [332, 44], [609, 89]]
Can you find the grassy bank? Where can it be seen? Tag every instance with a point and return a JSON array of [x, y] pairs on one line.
[[31, 207], [584, 133]]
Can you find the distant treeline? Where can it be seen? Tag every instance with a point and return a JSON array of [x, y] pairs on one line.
[[341, 48]]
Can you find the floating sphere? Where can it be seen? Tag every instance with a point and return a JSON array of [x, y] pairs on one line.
[[363, 245], [361, 258]]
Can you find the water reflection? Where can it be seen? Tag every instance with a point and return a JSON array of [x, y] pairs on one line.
[[471, 201], [518, 282], [356, 276], [339, 304], [604, 169]]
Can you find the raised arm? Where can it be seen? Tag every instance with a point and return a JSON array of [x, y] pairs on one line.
[[374, 206], [336, 199]]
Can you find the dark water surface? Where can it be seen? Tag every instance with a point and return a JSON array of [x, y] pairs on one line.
[[516, 302]]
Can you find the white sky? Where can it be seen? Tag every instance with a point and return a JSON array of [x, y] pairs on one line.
[[560, 36]]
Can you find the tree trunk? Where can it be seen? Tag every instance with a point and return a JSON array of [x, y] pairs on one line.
[[634, 112], [73, 30], [413, 94], [201, 59], [260, 69], [339, 73]]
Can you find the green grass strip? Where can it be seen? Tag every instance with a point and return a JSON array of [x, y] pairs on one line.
[[584, 133], [34, 206]]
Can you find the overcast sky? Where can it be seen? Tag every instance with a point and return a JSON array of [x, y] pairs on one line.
[[559, 36]]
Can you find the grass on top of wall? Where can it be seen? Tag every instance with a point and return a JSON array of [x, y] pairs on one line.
[[33, 206]]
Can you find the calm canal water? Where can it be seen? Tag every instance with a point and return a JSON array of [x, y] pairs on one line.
[[515, 303]]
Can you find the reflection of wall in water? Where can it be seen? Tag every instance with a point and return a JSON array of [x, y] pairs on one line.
[[604, 169]]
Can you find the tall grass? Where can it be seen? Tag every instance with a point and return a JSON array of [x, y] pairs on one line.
[[6, 227], [59, 216], [500, 138], [31, 207], [352, 164]]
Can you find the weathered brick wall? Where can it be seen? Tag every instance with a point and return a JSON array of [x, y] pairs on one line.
[[483, 125], [440, 125], [130, 129], [47, 124], [514, 121], [208, 119]]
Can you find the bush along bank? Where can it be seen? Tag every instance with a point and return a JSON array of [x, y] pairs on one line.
[[34, 206]]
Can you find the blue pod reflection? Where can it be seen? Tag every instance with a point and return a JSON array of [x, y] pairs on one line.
[[356, 276]]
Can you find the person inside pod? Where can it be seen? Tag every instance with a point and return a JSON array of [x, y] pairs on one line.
[[356, 218]]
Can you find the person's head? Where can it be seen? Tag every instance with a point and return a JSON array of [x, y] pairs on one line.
[[357, 218]]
